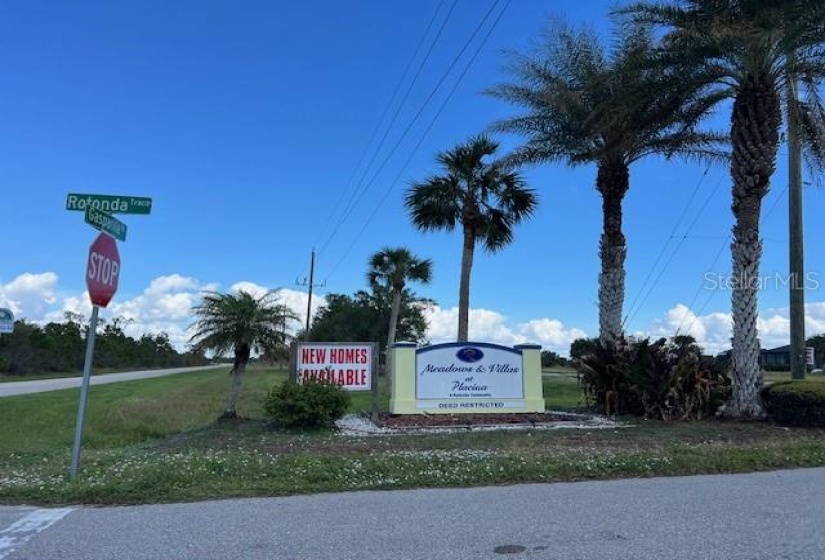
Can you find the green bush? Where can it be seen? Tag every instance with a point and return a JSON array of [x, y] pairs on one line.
[[668, 380], [313, 404], [796, 403]]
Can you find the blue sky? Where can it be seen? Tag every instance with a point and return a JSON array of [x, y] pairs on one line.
[[245, 122]]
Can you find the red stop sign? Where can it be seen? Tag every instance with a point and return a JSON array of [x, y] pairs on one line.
[[102, 270]]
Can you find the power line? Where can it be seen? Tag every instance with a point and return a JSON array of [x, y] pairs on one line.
[[420, 111], [350, 206], [699, 290], [632, 313], [667, 242], [713, 264], [427, 130], [381, 120]]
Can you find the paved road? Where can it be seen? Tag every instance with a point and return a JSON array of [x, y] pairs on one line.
[[764, 516], [42, 385]]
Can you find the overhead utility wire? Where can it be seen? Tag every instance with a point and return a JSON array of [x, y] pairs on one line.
[[421, 109], [699, 291], [421, 140], [676, 249], [719, 254], [665, 245], [765, 217], [375, 129], [350, 206]]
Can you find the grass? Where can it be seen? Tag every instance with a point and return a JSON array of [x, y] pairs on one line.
[[156, 441]]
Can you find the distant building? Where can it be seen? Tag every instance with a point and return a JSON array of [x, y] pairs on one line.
[[775, 358]]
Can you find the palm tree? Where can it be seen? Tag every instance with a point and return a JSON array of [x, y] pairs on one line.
[[484, 197], [748, 50], [393, 268], [583, 106], [240, 322]]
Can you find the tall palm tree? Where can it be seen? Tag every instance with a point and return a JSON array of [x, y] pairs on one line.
[[485, 198], [242, 323], [585, 105], [393, 268], [747, 50]]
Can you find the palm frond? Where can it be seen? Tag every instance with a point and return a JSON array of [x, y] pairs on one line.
[[812, 129], [435, 203], [393, 267], [228, 321]]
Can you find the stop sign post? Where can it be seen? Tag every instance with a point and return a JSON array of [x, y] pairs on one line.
[[102, 275]]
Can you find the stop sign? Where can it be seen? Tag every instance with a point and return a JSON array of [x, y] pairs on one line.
[[102, 270]]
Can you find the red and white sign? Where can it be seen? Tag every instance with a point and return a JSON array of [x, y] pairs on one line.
[[102, 270], [347, 364]]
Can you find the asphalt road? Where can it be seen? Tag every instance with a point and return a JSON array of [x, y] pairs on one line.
[[764, 516], [42, 385]]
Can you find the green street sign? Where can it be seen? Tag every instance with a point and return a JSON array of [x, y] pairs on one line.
[[109, 203], [105, 222]]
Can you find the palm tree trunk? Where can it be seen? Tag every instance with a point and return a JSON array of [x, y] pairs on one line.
[[464, 284], [238, 371], [612, 181], [394, 310], [754, 134]]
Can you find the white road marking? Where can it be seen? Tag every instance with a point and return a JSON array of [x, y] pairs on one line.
[[18, 533]]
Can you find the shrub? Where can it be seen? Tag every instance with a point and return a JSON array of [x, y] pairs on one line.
[[796, 403], [668, 380], [313, 404]]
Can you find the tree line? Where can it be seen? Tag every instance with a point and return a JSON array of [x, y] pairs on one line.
[[60, 347]]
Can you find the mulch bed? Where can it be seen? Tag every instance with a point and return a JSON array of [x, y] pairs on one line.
[[448, 420]]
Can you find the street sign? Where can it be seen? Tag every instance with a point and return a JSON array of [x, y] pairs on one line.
[[102, 221], [6, 321], [102, 270], [109, 203], [809, 355]]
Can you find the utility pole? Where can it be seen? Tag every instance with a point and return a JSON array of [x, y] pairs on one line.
[[310, 285], [796, 257]]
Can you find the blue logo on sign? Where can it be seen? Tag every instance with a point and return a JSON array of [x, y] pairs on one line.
[[469, 354]]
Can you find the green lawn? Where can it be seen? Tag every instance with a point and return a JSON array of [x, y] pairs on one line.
[[132, 412], [157, 441], [126, 413]]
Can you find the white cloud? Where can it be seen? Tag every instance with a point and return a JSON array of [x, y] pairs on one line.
[[173, 282], [71, 304], [30, 294], [166, 304], [550, 333], [251, 288], [714, 330], [491, 326], [295, 300]]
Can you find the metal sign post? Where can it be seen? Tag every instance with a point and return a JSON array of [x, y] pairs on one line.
[[84, 393]]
